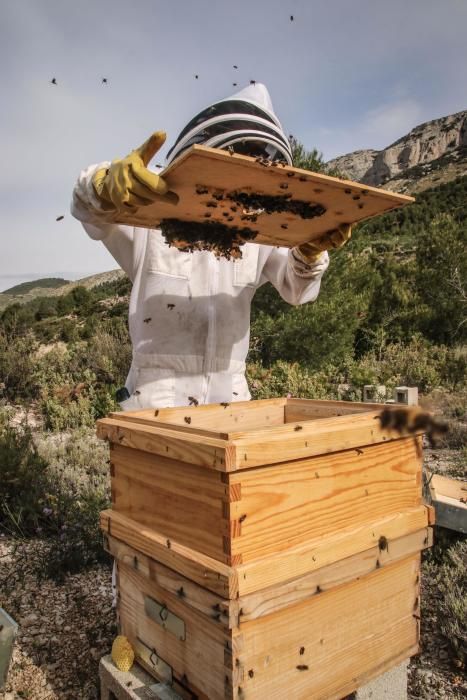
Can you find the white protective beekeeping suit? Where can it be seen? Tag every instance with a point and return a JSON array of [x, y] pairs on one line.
[[189, 314]]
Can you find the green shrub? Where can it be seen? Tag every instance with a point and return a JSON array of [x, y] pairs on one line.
[[23, 479], [283, 379], [54, 489], [452, 583]]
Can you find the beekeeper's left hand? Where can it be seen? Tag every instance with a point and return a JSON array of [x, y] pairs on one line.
[[332, 240]]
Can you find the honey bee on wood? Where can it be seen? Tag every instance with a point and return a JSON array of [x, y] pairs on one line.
[[411, 420], [187, 419]]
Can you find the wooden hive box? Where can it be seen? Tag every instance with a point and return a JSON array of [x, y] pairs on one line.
[[262, 545]]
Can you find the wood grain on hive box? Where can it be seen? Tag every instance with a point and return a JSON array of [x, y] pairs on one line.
[[218, 172], [331, 475], [319, 647]]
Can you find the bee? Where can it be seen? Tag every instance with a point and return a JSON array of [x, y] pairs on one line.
[[360, 206], [171, 306], [235, 393], [212, 205], [207, 215], [193, 401], [412, 420], [284, 186], [302, 178], [59, 218], [187, 419], [236, 67], [104, 80], [231, 150], [298, 427], [290, 174], [224, 404], [284, 226], [54, 81], [356, 196], [302, 667], [252, 82], [156, 413], [147, 320], [234, 84], [347, 191], [200, 189], [196, 77], [291, 18]]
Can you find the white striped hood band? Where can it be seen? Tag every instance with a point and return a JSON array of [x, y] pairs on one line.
[[245, 121]]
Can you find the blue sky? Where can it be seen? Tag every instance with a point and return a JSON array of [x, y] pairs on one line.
[[343, 75]]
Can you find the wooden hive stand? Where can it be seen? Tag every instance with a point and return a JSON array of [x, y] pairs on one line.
[[266, 549]]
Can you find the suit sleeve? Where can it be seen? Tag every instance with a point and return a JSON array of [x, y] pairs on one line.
[[296, 281], [99, 223]]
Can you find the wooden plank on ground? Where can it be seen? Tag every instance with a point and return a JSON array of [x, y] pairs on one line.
[[208, 572], [218, 172], [290, 503]]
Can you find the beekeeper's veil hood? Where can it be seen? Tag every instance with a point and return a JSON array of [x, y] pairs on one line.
[[245, 121]]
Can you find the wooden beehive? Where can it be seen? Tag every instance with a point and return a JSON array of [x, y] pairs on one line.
[[259, 544]]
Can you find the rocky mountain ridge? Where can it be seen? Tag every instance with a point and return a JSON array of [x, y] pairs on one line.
[[440, 144]]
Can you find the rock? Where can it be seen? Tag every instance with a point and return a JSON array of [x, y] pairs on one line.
[[30, 620], [426, 143]]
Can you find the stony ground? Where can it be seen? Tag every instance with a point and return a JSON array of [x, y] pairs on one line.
[[64, 629]]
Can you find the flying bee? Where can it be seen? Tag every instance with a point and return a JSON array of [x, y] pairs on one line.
[[193, 401], [284, 226], [146, 320], [59, 218], [171, 306], [411, 420], [252, 82], [54, 81]]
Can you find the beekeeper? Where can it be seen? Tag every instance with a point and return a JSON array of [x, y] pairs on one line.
[[189, 313]]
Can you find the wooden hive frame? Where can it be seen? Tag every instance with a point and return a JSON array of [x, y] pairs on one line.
[[202, 172]]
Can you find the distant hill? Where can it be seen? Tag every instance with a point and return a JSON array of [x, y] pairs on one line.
[[28, 291], [44, 283]]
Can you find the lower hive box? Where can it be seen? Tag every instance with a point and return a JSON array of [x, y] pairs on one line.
[[266, 549]]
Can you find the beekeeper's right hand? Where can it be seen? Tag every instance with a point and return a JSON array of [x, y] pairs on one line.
[[128, 184]]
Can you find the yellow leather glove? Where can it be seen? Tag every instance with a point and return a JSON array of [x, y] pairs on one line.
[[310, 252], [128, 184]]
